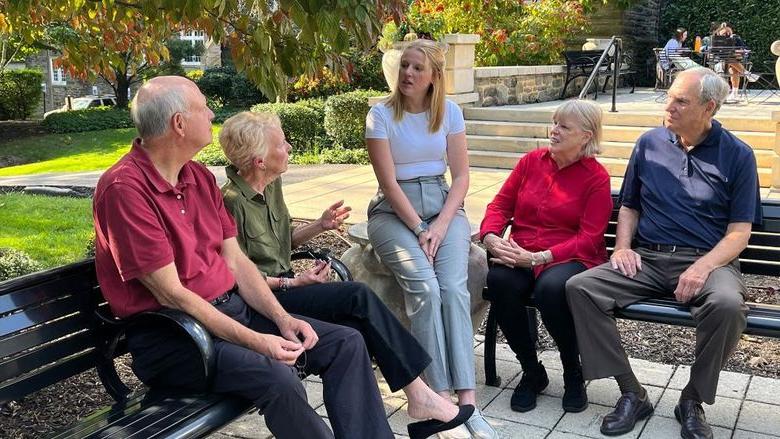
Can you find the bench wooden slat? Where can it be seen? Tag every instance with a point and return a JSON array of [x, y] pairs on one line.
[[24, 385], [27, 362], [41, 334], [32, 317], [74, 284]]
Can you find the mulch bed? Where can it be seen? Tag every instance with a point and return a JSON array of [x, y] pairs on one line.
[[56, 407]]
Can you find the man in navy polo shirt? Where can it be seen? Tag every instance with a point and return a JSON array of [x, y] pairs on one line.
[[689, 197], [164, 238]]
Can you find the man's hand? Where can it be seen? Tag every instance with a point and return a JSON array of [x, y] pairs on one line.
[[333, 217], [691, 281], [627, 261], [297, 331], [278, 348], [316, 275]]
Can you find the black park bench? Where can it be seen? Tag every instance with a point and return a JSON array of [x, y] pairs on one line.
[[761, 257], [580, 63], [55, 324]]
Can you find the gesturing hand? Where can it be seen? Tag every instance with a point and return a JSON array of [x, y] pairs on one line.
[[333, 217], [627, 261]]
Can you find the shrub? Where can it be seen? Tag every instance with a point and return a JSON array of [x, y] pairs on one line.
[[212, 155], [228, 86], [324, 84], [89, 119], [345, 118], [302, 124], [15, 263], [195, 75], [367, 70], [20, 93], [755, 21], [339, 155]]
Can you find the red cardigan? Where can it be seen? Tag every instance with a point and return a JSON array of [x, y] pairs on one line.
[[563, 210]]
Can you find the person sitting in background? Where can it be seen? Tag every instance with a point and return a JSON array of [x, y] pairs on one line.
[[673, 52], [558, 203], [735, 68], [255, 145]]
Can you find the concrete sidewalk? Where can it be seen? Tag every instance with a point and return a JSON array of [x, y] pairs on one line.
[[747, 406]]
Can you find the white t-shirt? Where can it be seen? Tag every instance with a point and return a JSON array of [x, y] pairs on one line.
[[416, 151]]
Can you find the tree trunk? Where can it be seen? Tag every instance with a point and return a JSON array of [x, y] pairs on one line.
[[121, 88]]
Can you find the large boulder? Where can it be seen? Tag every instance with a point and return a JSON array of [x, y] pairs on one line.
[[366, 267]]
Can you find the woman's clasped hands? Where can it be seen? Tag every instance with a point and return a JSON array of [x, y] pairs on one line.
[[507, 252]]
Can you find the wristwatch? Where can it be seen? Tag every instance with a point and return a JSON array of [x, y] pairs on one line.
[[422, 227]]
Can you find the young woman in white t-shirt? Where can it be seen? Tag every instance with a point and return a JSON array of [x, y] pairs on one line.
[[416, 222]]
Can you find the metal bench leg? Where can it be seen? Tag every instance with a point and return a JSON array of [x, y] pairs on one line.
[[491, 378]]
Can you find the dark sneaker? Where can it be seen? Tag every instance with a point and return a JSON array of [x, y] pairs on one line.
[[690, 414], [575, 399], [531, 384], [629, 409]]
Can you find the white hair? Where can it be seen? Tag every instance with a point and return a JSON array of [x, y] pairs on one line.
[[152, 115]]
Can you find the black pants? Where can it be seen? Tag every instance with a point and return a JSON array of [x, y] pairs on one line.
[[351, 396], [398, 354], [512, 288]]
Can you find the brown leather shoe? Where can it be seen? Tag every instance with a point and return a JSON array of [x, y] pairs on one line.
[[629, 409], [690, 414]]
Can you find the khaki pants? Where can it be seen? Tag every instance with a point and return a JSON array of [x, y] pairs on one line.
[[719, 311]]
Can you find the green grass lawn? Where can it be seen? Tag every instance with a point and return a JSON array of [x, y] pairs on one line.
[[52, 230], [74, 152]]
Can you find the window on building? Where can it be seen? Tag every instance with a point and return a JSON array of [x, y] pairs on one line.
[[193, 36], [57, 74]]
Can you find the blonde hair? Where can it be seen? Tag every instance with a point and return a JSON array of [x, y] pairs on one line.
[[434, 55], [588, 116], [243, 137]]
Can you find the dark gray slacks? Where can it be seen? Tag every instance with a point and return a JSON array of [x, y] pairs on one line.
[[398, 354], [719, 311], [350, 392]]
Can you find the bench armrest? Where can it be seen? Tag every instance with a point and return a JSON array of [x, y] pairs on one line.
[[325, 255], [114, 344]]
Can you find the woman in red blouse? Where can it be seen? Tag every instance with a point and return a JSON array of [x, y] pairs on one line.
[[557, 201]]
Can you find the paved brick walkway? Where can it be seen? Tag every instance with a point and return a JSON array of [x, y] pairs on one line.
[[747, 406]]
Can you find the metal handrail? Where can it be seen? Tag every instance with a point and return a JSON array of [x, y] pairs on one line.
[[617, 43]]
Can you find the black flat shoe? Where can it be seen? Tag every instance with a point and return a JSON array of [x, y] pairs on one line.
[[629, 409], [690, 414], [424, 429]]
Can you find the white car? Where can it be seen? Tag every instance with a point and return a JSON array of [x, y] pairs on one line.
[[85, 102]]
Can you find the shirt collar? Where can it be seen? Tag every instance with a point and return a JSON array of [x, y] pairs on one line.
[[712, 139], [142, 160], [246, 190], [580, 162]]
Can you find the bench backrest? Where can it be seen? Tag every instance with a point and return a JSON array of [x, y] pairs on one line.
[[762, 256], [48, 331], [582, 58]]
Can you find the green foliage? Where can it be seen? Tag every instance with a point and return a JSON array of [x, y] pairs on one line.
[[366, 70], [212, 155], [229, 87], [20, 93], [15, 263], [512, 32], [324, 84], [755, 21], [345, 118], [195, 75], [302, 124], [340, 155], [89, 119]]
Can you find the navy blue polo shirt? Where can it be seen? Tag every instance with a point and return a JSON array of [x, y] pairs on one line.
[[689, 198]]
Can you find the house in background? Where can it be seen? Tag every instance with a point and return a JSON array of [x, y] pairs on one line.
[[58, 84]]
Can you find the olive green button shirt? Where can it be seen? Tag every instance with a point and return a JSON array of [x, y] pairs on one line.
[[263, 221]]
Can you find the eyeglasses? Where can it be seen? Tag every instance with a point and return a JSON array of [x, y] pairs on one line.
[[300, 366]]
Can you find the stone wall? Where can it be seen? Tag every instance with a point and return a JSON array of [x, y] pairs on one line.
[[512, 85], [640, 32]]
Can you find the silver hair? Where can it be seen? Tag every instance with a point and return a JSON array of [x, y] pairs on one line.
[[244, 137], [712, 87], [152, 116]]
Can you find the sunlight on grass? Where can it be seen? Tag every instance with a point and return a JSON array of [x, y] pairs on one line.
[[52, 230], [75, 152]]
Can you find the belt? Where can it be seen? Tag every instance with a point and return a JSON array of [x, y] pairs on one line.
[[224, 297], [673, 248]]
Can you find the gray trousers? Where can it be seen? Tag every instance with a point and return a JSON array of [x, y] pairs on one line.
[[719, 311], [436, 296]]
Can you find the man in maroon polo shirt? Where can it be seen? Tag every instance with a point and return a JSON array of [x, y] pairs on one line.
[[164, 239]]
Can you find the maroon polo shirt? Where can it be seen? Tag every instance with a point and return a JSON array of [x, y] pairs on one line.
[[142, 224]]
